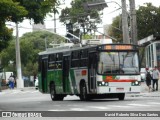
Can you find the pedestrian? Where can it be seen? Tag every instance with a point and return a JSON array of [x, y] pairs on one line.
[[148, 79], [155, 76], [11, 81]]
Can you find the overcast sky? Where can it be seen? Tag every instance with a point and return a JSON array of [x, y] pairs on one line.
[[108, 15]]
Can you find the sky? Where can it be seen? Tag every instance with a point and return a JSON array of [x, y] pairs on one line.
[[108, 14]]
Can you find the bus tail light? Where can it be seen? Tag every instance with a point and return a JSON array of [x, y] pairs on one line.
[[84, 72]]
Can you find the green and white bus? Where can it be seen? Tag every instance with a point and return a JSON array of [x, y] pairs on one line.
[[100, 71]]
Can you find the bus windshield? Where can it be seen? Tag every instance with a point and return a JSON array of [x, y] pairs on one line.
[[118, 63]]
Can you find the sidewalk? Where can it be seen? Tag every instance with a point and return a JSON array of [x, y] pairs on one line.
[[145, 92], [20, 89]]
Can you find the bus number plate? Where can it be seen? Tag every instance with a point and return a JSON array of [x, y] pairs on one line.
[[120, 89]]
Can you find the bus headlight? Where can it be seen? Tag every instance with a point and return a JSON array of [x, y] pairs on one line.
[[99, 83], [136, 83]]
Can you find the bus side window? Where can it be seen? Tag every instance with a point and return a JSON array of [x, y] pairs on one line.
[[75, 60], [59, 58], [84, 58], [51, 61], [39, 63]]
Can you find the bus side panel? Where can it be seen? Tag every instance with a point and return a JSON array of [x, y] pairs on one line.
[[77, 75], [73, 82], [57, 78]]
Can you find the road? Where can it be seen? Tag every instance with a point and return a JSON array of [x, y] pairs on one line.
[[32, 100]]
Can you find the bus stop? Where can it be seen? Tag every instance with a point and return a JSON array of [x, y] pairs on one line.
[[152, 50]]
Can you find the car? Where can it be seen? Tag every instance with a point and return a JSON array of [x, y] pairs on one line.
[[143, 74], [36, 83]]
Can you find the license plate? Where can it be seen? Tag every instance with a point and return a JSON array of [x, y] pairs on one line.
[[120, 89]]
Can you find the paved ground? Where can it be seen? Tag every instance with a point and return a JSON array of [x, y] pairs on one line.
[[144, 91]]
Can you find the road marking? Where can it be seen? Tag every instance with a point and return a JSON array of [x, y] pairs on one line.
[[77, 109], [119, 106], [56, 110], [154, 103], [139, 105], [97, 107]]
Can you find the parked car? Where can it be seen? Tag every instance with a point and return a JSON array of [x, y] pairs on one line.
[[36, 83], [143, 74]]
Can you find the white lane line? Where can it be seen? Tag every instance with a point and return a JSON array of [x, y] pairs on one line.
[[77, 109], [56, 110], [140, 105], [97, 107], [117, 106], [154, 103]]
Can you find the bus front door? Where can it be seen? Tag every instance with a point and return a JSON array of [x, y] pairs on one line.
[[65, 78], [92, 73], [44, 76]]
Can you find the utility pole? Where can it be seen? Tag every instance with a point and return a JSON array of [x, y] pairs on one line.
[[20, 82], [133, 22], [125, 29], [54, 19]]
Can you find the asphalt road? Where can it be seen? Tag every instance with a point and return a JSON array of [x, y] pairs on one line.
[[33, 100]]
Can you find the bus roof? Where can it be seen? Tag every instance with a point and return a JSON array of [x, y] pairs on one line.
[[64, 49], [116, 47]]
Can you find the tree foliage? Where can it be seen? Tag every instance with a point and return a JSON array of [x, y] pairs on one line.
[[115, 29], [147, 22], [37, 9], [78, 14], [18, 10], [30, 45], [9, 11]]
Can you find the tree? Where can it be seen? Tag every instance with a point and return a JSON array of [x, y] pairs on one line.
[[31, 45], [9, 11], [18, 10], [147, 22], [77, 14], [115, 29], [37, 9]]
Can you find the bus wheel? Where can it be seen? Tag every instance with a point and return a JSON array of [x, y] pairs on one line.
[[53, 94], [83, 92], [121, 96]]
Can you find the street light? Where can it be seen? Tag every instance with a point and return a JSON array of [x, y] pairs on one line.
[[102, 3], [97, 4]]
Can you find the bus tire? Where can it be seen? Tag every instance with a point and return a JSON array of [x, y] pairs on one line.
[[54, 96], [83, 92], [121, 96]]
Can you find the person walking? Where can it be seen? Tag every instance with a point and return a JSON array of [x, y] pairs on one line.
[[155, 76], [148, 79], [11, 81]]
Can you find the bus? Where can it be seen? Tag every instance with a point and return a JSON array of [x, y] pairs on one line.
[[99, 71]]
